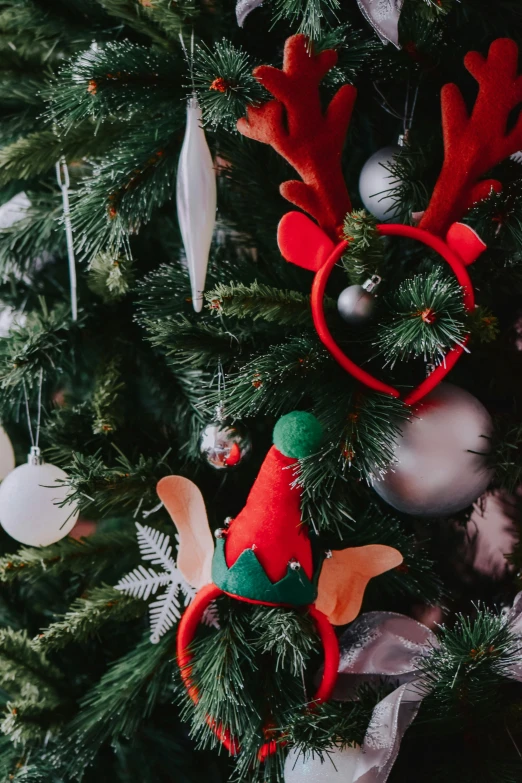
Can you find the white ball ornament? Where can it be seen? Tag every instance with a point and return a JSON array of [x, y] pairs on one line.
[[30, 498], [441, 459], [7, 457], [337, 766], [376, 180]]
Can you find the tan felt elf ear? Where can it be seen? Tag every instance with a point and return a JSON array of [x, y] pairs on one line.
[[344, 577], [185, 504]]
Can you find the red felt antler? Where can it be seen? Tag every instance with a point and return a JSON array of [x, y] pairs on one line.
[[477, 142], [311, 140]]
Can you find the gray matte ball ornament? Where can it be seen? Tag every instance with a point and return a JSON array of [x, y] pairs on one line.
[[223, 444], [441, 459], [356, 303], [375, 179]]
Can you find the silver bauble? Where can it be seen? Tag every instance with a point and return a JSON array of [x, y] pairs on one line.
[[441, 459], [355, 305], [224, 445], [374, 182]]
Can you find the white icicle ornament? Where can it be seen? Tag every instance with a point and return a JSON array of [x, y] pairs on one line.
[[30, 503], [196, 198]]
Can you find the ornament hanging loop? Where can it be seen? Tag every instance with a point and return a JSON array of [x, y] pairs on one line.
[[35, 456], [62, 177]]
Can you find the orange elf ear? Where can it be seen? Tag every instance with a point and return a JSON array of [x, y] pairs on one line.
[[186, 506], [344, 577]]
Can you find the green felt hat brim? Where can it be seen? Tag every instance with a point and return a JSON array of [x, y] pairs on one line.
[[247, 579]]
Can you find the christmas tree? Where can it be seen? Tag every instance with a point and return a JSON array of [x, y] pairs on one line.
[[260, 337]]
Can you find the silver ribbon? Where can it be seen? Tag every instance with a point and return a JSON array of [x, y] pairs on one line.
[[383, 15], [386, 645], [243, 8]]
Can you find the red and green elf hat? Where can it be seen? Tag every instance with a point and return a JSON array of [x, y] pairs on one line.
[[265, 556]]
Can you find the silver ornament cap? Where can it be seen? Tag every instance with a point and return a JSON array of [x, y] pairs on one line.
[[441, 463], [375, 182]]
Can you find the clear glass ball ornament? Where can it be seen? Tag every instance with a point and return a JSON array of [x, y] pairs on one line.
[[224, 444]]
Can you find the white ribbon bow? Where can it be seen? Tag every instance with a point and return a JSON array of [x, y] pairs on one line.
[[385, 644]]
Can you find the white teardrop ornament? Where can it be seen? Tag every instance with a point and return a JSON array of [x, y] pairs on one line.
[[196, 198]]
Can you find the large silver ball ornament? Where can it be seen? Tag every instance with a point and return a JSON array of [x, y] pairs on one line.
[[441, 459], [224, 445], [374, 182]]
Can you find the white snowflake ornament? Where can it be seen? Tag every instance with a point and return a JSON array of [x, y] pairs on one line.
[[143, 582]]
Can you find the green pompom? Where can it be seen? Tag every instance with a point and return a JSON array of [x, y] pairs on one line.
[[298, 434]]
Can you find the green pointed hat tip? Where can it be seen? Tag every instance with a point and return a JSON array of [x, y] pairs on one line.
[[298, 434]]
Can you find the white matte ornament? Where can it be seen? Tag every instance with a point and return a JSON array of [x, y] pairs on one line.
[[28, 503], [376, 180], [338, 766], [196, 199], [7, 457], [14, 210], [441, 457]]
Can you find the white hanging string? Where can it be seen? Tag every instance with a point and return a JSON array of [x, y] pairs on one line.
[[62, 177], [34, 440]]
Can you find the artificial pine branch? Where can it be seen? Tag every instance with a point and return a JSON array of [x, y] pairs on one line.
[[126, 187], [223, 80], [262, 302], [424, 317], [118, 79], [37, 152], [309, 14], [134, 15], [506, 452], [88, 557], [106, 398], [87, 616], [254, 388], [111, 276], [115, 707], [195, 344], [364, 255], [126, 484], [466, 676], [38, 347]]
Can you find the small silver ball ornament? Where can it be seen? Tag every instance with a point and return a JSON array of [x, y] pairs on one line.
[[356, 304], [223, 444], [441, 459], [374, 182]]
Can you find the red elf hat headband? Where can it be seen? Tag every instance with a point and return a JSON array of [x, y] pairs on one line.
[[311, 140], [264, 556]]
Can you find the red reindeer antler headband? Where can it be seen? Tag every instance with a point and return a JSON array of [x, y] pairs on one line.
[[295, 126]]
